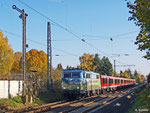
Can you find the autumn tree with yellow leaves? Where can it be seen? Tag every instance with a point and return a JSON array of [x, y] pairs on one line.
[[16, 68], [37, 60], [86, 62], [6, 55]]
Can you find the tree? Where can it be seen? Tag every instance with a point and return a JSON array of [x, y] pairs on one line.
[[142, 79], [6, 55], [16, 68], [37, 60], [106, 67], [129, 73], [140, 14], [59, 67], [126, 75], [135, 73], [57, 78], [98, 63], [136, 76], [69, 67], [121, 72], [86, 62]]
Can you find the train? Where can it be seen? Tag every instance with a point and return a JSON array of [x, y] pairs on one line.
[[80, 83]]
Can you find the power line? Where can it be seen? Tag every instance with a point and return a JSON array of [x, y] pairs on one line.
[[39, 43], [110, 36], [69, 31], [96, 39], [52, 47], [126, 33], [55, 23]]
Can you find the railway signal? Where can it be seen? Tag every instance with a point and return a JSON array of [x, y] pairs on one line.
[[23, 16]]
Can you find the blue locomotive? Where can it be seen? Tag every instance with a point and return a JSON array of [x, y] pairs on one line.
[[78, 83]]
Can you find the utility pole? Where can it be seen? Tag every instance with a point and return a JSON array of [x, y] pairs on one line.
[[48, 54], [49, 58], [114, 67], [23, 16]]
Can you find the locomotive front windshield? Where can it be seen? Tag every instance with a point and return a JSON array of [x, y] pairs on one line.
[[72, 75], [67, 75], [71, 80]]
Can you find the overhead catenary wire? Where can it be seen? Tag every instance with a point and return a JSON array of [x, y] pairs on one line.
[[52, 22], [46, 45], [55, 23], [112, 36], [40, 43], [69, 31]]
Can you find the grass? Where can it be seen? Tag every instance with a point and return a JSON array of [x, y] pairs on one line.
[[142, 100], [15, 102], [47, 97], [43, 98]]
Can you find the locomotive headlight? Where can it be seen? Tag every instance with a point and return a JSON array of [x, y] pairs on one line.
[[64, 87], [77, 87]]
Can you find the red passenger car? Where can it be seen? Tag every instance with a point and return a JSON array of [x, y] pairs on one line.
[[112, 83]]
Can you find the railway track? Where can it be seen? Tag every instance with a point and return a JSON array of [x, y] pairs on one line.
[[49, 106], [82, 105], [88, 107]]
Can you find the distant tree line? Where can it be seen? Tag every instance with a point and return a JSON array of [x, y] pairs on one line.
[[11, 62], [103, 66]]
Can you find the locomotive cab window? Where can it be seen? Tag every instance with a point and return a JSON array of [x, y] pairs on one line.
[[67, 75], [75, 75]]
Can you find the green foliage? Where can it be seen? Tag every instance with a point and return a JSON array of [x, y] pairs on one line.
[[94, 63], [57, 78], [59, 67], [136, 77], [47, 97], [11, 103], [140, 14], [98, 63], [106, 67], [142, 100], [6, 55], [17, 99]]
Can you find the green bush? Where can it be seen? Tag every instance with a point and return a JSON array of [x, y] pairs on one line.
[[142, 99], [17, 99]]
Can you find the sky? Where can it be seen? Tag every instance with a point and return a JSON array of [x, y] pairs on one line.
[[95, 21]]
